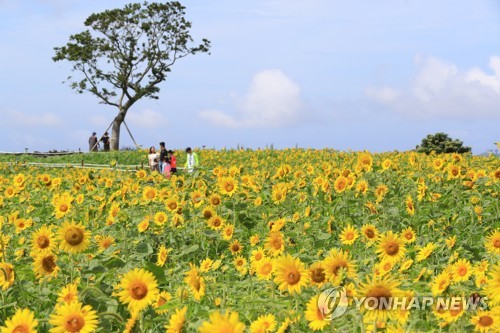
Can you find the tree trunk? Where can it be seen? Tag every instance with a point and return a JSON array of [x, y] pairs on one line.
[[115, 135]]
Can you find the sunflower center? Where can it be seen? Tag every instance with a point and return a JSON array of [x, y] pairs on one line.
[[216, 223], [74, 236], [207, 214], [462, 270], [293, 278], [74, 323], [276, 243], [349, 236], [236, 248], [106, 243], [229, 187], [43, 242], [455, 312], [196, 284], [49, 263], [23, 328], [215, 201], [138, 291], [266, 268], [392, 248], [318, 275], [369, 233], [381, 293], [408, 235], [63, 207], [496, 243], [258, 256], [172, 205], [161, 301], [485, 321]]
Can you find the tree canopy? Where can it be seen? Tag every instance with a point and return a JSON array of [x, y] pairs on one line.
[[128, 54], [441, 143]]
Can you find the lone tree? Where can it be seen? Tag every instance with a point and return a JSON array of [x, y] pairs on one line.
[[442, 143], [129, 54]]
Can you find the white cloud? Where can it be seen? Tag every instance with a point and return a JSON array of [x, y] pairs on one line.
[[17, 118], [442, 90], [145, 118], [272, 100]]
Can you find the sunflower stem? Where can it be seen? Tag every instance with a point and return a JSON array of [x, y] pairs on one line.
[[112, 314]]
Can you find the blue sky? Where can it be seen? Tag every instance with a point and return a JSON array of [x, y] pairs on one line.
[[375, 75]]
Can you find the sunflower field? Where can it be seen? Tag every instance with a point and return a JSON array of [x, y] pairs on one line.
[[249, 241]]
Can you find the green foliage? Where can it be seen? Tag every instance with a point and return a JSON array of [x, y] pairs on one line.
[[441, 143]]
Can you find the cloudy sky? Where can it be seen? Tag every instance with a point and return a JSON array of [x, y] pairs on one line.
[[376, 75]]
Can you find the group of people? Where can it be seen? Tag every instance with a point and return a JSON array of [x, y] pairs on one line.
[[94, 142], [165, 161]]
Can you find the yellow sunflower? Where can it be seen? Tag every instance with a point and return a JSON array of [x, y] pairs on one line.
[[263, 324], [216, 222], [290, 274], [62, 204], [6, 275], [68, 294], [195, 282], [222, 323], [379, 291], [348, 235], [73, 317], [235, 247], [215, 200], [162, 299], [227, 185], [492, 242], [275, 243], [42, 240], [177, 320], [440, 283], [45, 265], [149, 194], [143, 225], [318, 274], [461, 270], [408, 235], [486, 321], [23, 321], [227, 231], [160, 218], [370, 233], [138, 289], [208, 212], [492, 285], [338, 263], [390, 247], [172, 204], [197, 198], [340, 184], [264, 268], [410, 205], [73, 237], [104, 242], [425, 252], [162, 255], [315, 315], [206, 265]]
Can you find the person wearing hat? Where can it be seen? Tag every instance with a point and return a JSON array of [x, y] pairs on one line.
[[93, 144]]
